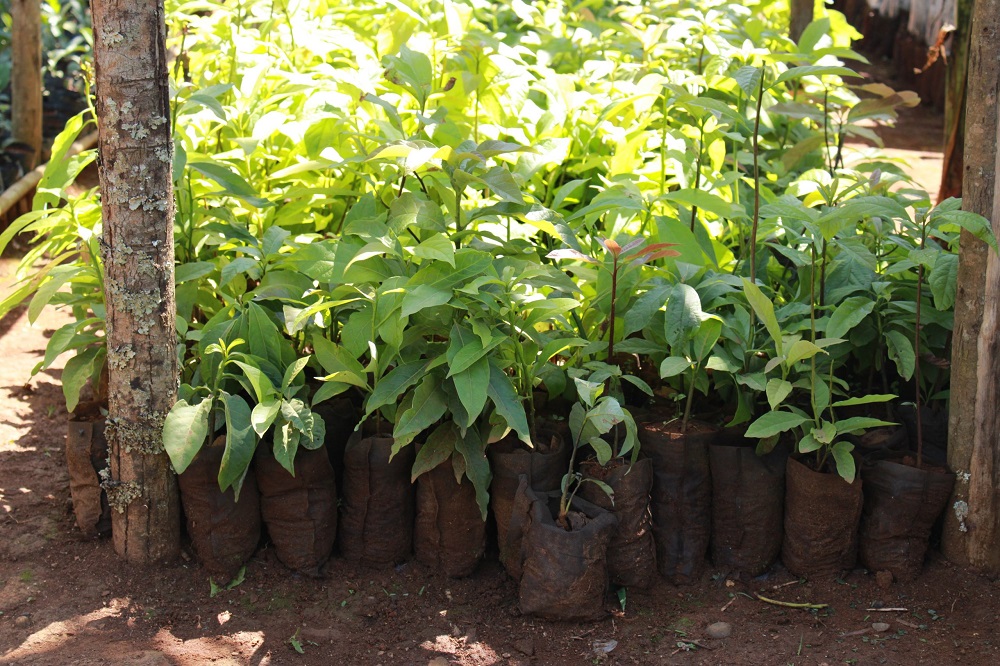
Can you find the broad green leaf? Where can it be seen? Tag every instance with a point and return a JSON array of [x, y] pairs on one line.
[[390, 387], [901, 352], [943, 280], [602, 450], [437, 247], [440, 445], [858, 423], [808, 443], [507, 405], [748, 78], [764, 309], [429, 405], [185, 430], [58, 277], [705, 337], [673, 366], [845, 461], [472, 385], [78, 369], [683, 315], [802, 350], [812, 70], [773, 423], [286, 445], [263, 415], [847, 315], [777, 390], [477, 467], [231, 182], [261, 383], [424, 296], [241, 442]]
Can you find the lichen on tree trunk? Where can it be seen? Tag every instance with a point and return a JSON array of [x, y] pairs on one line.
[[137, 202], [970, 530]]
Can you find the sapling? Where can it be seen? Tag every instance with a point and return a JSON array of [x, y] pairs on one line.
[[592, 417]]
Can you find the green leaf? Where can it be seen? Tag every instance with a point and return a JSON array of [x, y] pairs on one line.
[[858, 423], [262, 386], [802, 350], [412, 210], [673, 366], [477, 467], [864, 400], [390, 387], [812, 70], [975, 224], [438, 247], [849, 314], [429, 404], [501, 393], [705, 201], [773, 423], [292, 371], [192, 271], [748, 79], [231, 182], [241, 442], [472, 386], [503, 185], [808, 443], [58, 277], [683, 316], [764, 309], [777, 390], [424, 296], [705, 338], [845, 461], [286, 444], [901, 352], [944, 281], [78, 369], [602, 450], [263, 415], [185, 430], [437, 449]]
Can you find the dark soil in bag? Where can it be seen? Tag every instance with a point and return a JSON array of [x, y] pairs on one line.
[[224, 533], [901, 505], [376, 517], [449, 534], [631, 550], [821, 522], [544, 466], [300, 511], [340, 418], [748, 497], [681, 501], [564, 574], [86, 457]]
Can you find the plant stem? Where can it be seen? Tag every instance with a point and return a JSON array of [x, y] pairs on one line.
[[756, 181], [690, 400], [614, 293], [916, 350]]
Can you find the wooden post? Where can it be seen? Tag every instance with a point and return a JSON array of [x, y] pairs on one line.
[[801, 17], [970, 530], [135, 149], [956, 78], [26, 79]]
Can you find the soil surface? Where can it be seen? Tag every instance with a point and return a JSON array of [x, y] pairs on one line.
[[65, 599]]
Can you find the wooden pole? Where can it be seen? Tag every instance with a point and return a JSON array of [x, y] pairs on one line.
[[956, 78], [970, 530], [135, 149], [26, 79]]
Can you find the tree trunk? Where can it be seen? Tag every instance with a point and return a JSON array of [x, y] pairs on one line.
[[957, 77], [26, 79], [137, 202], [802, 16], [969, 528]]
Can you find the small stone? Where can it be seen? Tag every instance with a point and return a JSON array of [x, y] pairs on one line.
[[525, 646], [21, 621], [880, 627], [106, 593], [719, 630], [884, 579], [470, 636]]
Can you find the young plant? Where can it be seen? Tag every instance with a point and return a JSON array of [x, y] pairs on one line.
[[590, 419], [691, 334]]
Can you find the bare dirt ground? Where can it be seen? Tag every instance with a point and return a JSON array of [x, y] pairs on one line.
[[65, 599]]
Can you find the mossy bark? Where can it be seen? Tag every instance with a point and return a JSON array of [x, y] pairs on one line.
[[137, 201]]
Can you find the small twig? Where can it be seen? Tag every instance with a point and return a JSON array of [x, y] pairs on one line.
[[728, 604], [791, 582], [888, 610], [907, 624], [789, 604], [953, 604], [580, 637], [700, 644]]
